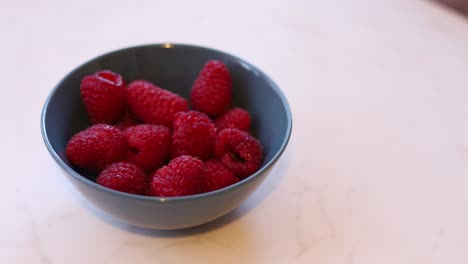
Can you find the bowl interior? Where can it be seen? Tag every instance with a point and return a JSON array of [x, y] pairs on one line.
[[173, 67]]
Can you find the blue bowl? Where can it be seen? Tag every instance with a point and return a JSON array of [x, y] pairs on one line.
[[173, 67]]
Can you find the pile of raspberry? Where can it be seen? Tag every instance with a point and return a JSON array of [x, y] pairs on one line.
[[150, 141]]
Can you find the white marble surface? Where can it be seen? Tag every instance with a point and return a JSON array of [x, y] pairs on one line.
[[377, 166]]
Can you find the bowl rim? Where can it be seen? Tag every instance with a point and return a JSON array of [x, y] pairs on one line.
[[93, 184]]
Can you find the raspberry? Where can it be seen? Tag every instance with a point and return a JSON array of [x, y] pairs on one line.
[[234, 118], [103, 95], [154, 105], [240, 152], [194, 135], [148, 145], [124, 177], [182, 176], [127, 120], [96, 147], [212, 90], [217, 176]]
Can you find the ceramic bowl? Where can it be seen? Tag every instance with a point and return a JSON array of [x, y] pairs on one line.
[[173, 67]]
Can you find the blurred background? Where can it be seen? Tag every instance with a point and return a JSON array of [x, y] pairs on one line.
[[459, 5]]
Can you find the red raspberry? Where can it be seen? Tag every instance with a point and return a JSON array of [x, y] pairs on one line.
[[217, 176], [127, 120], [194, 135], [234, 118], [240, 152], [154, 105], [96, 147], [148, 145], [124, 177], [182, 176], [103, 95], [212, 90]]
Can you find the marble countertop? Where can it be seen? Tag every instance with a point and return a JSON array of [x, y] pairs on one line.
[[376, 170]]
